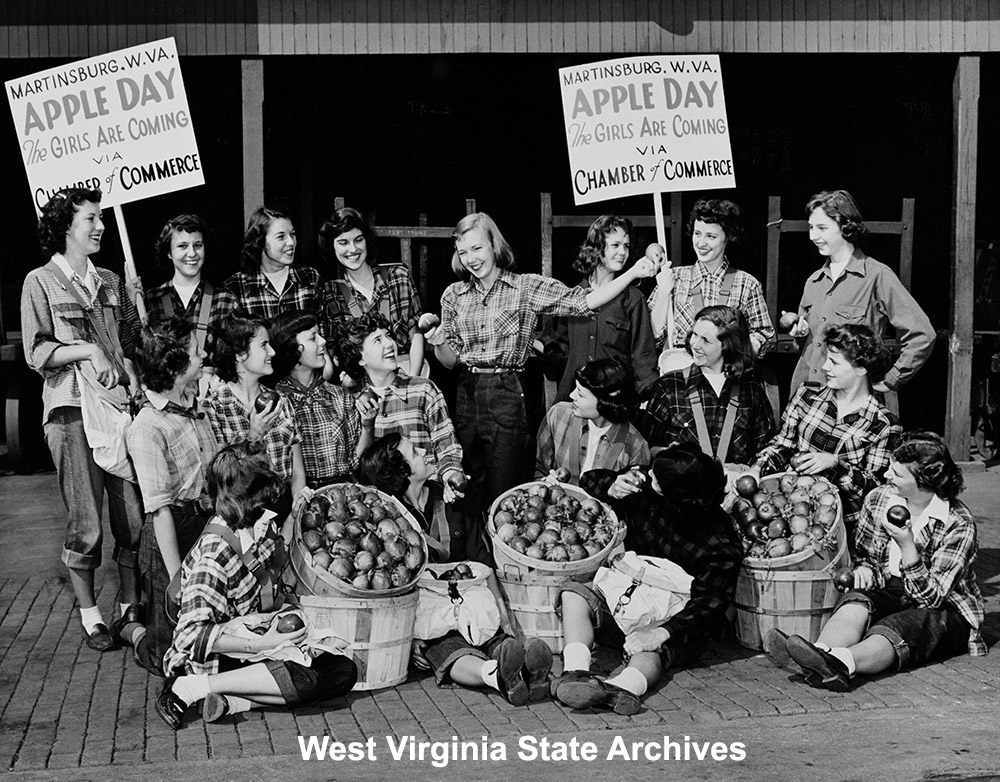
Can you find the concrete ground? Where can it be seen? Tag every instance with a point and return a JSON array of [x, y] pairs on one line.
[[67, 713]]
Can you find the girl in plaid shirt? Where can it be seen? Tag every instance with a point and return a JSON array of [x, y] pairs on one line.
[[488, 322], [915, 597]]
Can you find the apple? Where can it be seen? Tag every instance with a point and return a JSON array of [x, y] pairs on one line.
[[843, 579], [897, 515], [266, 400], [779, 547], [656, 252], [289, 623], [427, 322], [756, 530], [459, 482], [787, 321], [563, 475], [768, 513], [777, 529], [746, 486], [799, 541]]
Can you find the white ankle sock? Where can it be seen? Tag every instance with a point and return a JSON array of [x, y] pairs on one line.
[[576, 657], [821, 645], [91, 617], [846, 656], [122, 608], [631, 679], [238, 705], [192, 688], [489, 673]]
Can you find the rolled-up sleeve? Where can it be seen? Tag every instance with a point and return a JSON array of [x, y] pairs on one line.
[[37, 327]]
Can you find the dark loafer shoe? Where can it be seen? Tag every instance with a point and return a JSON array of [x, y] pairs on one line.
[[579, 690], [170, 708], [568, 676], [537, 665], [822, 669], [776, 648], [510, 662], [214, 707], [133, 615], [620, 701], [101, 640]]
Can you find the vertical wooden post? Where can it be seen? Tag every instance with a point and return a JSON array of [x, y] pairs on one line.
[[965, 136], [906, 243], [547, 234], [676, 229], [773, 248], [253, 134], [422, 271]]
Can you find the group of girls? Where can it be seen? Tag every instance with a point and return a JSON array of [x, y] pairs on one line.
[[346, 358]]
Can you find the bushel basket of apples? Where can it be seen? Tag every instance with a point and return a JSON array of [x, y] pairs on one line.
[[356, 541], [551, 528], [790, 521]]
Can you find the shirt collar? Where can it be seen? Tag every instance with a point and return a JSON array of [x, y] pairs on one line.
[[718, 273], [856, 265], [90, 274], [259, 280], [163, 404], [473, 285], [940, 509]]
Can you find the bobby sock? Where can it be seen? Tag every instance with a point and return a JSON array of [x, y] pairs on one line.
[[122, 608], [576, 657], [133, 632], [821, 645], [489, 673], [846, 656], [192, 688], [91, 617], [631, 679]]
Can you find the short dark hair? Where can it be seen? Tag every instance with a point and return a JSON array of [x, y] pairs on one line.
[[183, 222], [502, 251], [233, 337], [862, 347], [161, 354], [930, 461], [340, 222], [734, 334], [383, 466], [592, 250], [255, 236], [349, 334], [283, 334], [57, 217], [689, 478], [241, 483], [610, 380], [840, 206], [720, 211]]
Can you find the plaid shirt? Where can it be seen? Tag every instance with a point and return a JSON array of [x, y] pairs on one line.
[[944, 574], [707, 548], [668, 418], [223, 303], [495, 328], [563, 439], [867, 292], [415, 407], [258, 298], [329, 425], [746, 295], [171, 448], [52, 318], [393, 295], [215, 587], [231, 423], [860, 440]]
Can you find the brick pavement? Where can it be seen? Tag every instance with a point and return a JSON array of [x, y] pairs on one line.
[[64, 706]]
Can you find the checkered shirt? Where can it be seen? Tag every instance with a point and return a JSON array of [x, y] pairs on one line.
[[329, 425], [944, 574], [415, 407], [394, 292], [230, 421], [668, 418], [223, 304], [495, 328], [860, 440], [746, 295], [258, 298], [215, 587]]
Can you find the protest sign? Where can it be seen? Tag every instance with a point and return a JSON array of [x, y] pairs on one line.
[[119, 122], [646, 125]]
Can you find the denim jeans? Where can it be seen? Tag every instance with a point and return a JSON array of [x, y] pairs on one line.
[[83, 484]]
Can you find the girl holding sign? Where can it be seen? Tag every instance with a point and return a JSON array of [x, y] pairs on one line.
[[488, 322]]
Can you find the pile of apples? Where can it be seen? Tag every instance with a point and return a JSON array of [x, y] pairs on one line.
[[552, 524], [785, 514], [362, 538]]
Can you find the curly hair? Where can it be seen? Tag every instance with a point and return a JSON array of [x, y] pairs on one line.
[[187, 223], [340, 222], [57, 217], [383, 466], [502, 251], [592, 250], [241, 483], [349, 335], [161, 354], [734, 334], [610, 380], [721, 212], [283, 334], [840, 206], [689, 479], [255, 236], [862, 347], [928, 458], [233, 337]]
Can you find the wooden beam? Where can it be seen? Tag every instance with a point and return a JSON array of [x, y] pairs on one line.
[[965, 136], [253, 135]]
